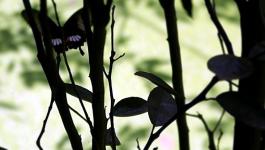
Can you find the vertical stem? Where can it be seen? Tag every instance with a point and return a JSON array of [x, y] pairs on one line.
[[253, 87], [48, 64], [56, 84], [175, 57], [109, 76], [96, 43], [96, 76]]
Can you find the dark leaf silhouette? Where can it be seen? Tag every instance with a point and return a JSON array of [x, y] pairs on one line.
[[84, 93], [228, 67], [130, 106], [233, 103], [108, 140], [161, 106], [156, 80], [187, 5]]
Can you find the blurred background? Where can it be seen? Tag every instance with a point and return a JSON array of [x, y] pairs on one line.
[[140, 34]]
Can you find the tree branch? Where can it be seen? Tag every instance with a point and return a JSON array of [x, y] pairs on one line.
[[78, 95], [109, 78], [219, 27], [46, 59], [70, 74]]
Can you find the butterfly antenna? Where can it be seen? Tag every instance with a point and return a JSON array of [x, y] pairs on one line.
[[81, 51]]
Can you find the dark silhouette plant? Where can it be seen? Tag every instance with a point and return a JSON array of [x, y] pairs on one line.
[[165, 104]]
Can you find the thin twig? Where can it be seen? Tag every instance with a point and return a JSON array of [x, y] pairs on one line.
[[200, 116], [71, 76], [218, 33], [210, 98], [219, 140], [138, 145], [109, 78], [210, 132], [77, 113], [221, 42], [219, 27], [234, 84], [44, 124], [105, 73], [219, 121], [151, 138], [115, 59], [56, 13], [202, 95], [48, 64], [77, 93]]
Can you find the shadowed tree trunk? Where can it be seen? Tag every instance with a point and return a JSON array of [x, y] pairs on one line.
[[252, 88]]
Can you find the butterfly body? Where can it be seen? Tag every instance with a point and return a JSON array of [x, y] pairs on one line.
[[70, 36]]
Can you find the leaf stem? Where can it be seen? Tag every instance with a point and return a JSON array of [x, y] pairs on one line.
[[78, 95], [77, 113], [44, 124], [219, 27]]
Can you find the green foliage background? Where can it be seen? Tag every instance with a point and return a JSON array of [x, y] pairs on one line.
[[140, 33]]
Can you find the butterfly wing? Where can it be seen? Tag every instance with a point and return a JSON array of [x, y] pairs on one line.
[[74, 30], [55, 31]]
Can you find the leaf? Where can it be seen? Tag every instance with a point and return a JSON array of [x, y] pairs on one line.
[[161, 106], [84, 93], [233, 103], [228, 67], [258, 52], [187, 5], [156, 80], [108, 139], [130, 106]]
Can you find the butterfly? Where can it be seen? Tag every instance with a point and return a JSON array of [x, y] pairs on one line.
[[70, 36]]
